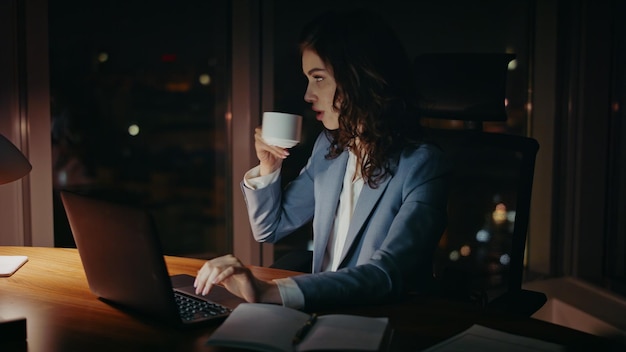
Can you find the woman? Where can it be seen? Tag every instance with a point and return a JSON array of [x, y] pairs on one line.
[[375, 193]]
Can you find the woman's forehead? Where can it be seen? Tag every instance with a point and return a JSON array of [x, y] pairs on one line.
[[312, 62]]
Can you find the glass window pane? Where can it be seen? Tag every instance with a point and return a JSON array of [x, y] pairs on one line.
[[139, 95]]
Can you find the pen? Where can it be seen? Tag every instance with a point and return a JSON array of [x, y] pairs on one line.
[[304, 329]]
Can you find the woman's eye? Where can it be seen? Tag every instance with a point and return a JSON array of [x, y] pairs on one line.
[[318, 78]]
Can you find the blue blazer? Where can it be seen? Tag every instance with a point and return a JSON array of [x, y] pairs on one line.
[[391, 239]]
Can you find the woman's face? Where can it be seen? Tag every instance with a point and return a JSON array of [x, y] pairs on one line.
[[320, 91]]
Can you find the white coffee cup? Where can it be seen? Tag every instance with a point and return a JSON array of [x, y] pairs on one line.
[[281, 129]]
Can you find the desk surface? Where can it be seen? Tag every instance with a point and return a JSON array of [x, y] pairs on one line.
[[51, 291]]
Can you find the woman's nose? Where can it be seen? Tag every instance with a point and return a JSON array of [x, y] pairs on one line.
[[309, 97]]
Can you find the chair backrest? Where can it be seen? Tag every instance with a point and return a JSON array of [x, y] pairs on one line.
[[462, 86], [492, 173], [488, 208]]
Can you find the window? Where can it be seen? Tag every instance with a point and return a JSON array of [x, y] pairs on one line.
[[139, 95]]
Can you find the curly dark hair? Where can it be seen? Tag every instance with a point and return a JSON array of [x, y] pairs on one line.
[[375, 89]]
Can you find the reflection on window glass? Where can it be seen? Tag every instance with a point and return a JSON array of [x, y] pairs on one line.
[[139, 93]]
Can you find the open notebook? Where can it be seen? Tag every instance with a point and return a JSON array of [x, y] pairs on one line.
[[283, 329]]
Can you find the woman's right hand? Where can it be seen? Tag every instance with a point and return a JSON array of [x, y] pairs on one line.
[[237, 278], [270, 157]]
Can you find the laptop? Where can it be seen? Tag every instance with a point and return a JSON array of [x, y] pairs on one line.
[[123, 261]]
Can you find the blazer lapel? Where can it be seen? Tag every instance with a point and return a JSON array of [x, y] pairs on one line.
[[364, 207], [327, 196]]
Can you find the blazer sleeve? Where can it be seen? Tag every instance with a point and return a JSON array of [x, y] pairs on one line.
[[275, 213]]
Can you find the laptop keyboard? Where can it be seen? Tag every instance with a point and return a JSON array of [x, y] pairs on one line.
[[191, 308]]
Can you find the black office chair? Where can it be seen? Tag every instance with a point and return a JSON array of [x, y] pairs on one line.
[[481, 254], [295, 260]]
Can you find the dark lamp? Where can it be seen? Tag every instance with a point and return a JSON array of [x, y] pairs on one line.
[[13, 164]]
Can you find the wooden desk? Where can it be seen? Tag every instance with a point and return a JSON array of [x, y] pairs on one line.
[[51, 291]]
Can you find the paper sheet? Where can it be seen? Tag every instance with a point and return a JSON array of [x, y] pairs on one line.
[[479, 338], [10, 263]]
